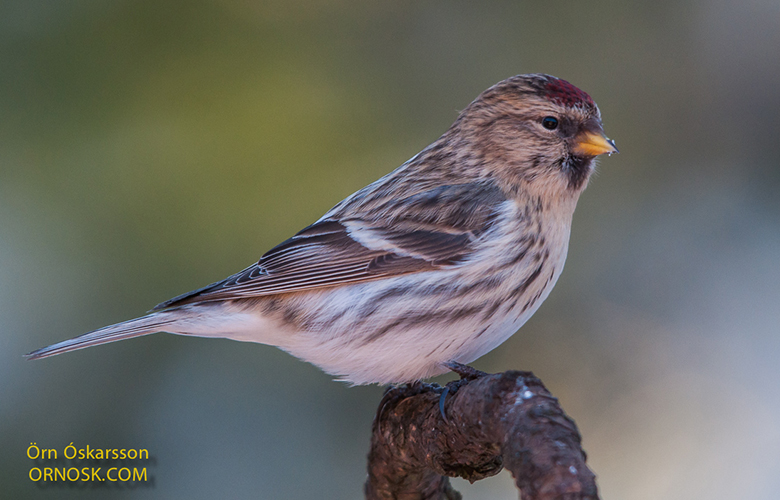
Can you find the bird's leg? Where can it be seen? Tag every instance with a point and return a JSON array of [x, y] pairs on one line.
[[465, 371]]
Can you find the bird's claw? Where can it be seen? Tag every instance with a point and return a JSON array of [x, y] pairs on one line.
[[466, 374], [442, 398]]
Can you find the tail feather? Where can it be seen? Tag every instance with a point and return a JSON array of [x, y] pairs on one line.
[[138, 327]]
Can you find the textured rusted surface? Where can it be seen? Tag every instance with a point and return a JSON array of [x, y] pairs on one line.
[[503, 420]]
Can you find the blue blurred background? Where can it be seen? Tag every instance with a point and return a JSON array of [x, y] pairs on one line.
[[151, 147]]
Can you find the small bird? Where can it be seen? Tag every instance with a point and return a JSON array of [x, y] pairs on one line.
[[434, 264]]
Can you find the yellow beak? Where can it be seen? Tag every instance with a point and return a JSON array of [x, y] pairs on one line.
[[592, 144]]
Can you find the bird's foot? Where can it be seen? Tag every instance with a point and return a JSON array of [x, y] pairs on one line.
[[466, 374]]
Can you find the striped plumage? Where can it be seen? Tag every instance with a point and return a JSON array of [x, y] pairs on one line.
[[440, 260]]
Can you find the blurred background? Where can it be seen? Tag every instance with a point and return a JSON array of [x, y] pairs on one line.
[[151, 147]]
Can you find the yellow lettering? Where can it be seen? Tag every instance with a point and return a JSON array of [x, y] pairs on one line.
[[77, 474], [139, 476], [39, 474]]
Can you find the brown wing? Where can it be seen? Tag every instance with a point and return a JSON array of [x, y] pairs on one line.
[[324, 254], [336, 252]]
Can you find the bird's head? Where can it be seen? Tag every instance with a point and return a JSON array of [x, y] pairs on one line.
[[536, 133]]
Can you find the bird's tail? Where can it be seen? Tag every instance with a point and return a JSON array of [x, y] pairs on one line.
[[152, 323]]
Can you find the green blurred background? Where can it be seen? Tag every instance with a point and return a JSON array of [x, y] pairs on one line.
[[151, 147]]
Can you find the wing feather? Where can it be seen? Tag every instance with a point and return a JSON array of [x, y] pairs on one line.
[[334, 252]]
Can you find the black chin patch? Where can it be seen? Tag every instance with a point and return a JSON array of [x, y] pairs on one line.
[[577, 169]]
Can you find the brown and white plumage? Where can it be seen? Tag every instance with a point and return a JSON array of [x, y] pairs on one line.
[[440, 260]]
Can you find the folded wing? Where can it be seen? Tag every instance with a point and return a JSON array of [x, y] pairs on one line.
[[335, 252]]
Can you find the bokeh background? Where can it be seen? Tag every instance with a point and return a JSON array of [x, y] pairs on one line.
[[149, 147]]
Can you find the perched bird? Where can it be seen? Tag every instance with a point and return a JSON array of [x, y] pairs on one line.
[[439, 261]]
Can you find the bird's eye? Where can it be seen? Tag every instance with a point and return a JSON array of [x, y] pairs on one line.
[[550, 122]]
